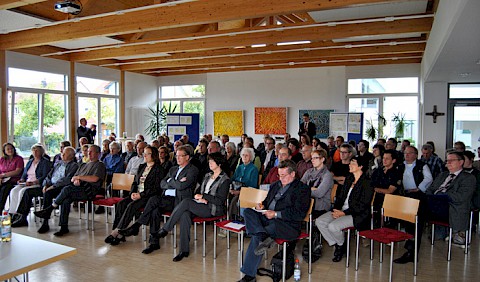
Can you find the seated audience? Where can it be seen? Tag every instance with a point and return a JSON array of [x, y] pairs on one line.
[[283, 154], [209, 202], [294, 146], [113, 162], [377, 161], [129, 152], [58, 157], [84, 153], [306, 162], [363, 153], [468, 167], [267, 156], [35, 172], [105, 149], [351, 208], [340, 169], [11, 169], [177, 186], [165, 162], [79, 153], [339, 141], [459, 146], [435, 163], [136, 161], [232, 157], [146, 184], [304, 140], [85, 184], [286, 206]]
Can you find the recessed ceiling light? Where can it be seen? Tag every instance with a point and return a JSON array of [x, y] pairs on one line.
[[464, 74]]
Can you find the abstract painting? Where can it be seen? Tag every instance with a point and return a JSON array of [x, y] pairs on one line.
[[321, 118], [271, 120], [228, 122]]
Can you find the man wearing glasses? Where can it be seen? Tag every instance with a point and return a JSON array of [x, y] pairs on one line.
[[178, 185], [452, 191], [341, 169], [267, 156]]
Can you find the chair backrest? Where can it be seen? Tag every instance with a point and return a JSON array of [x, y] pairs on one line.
[[307, 217], [122, 181], [400, 207], [333, 194], [250, 197]]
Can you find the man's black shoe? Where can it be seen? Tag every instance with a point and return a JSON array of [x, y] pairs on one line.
[[180, 256], [263, 246], [247, 278], [100, 210], [45, 213], [151, 248], [63, 231], [339, 252], [406, 258], [44, 228], [162, 233]]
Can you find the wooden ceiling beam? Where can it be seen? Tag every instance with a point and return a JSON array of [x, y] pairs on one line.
[[375, 61], [291, 56], [163, 17], [10, 4], [314, 34]]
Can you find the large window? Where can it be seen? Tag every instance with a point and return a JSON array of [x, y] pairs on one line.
[[98, 103], [36, 110], [464, 115], [185, 99], [390, 106]]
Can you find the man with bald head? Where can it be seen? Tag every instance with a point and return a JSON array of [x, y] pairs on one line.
[[56, 179], [306, 163], [283, 154]]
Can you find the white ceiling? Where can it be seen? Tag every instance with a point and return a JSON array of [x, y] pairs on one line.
[[462, 49]]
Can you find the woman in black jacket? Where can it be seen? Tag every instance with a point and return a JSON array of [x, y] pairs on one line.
[[351, 208], [146, 184], [208, 202]]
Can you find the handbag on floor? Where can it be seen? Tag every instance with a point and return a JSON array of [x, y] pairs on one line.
[[276, 272]]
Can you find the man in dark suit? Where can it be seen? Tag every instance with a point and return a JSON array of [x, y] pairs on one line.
[[178, 185], [453, 189], [286, 205], [307, 127]]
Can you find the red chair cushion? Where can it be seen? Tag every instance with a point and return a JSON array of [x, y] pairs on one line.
[[108, 202], [222, 224], [386, 235], [208, 219], [300, 237]]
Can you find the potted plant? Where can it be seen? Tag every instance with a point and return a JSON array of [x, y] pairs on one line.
[[158, 119], [399, 120]]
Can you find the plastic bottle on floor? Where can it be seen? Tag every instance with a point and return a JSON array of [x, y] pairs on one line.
[[297, 272]]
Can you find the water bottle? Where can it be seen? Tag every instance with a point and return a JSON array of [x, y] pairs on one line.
[[6, 227], [297, 272]]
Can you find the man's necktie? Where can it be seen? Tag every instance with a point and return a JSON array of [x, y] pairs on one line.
[[445, 187]]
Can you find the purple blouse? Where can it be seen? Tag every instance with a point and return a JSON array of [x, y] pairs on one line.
[[7, 165]]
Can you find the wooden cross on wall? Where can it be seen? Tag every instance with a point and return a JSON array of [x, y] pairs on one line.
[[435, 114]]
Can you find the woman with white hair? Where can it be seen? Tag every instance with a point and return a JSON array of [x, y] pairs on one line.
[[34, 173]]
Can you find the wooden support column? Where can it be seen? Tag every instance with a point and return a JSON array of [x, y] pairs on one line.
[[3, 97], [72, 106], [121, 107]]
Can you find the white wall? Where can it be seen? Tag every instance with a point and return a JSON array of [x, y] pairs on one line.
[[435, 93], [141, 92], [301, 88]]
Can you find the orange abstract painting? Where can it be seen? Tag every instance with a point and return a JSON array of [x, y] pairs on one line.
[[228, 122], [270, 120]]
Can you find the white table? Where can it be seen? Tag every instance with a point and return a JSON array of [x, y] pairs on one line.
[[23, 254]]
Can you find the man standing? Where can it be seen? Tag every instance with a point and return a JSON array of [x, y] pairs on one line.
[[416, 179], [84, 186], [286, 206], [84, 131], [453, 189], [307, 127]]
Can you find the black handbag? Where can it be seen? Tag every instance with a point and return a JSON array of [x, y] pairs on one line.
[[276, 263]]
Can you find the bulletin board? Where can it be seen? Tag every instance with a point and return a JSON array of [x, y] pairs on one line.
[[348, 125], [180, 124]]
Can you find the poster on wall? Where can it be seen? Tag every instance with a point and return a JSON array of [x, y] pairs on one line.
[[228, 122], [348, 125], [321, 119], [271, 120], [180, 124]]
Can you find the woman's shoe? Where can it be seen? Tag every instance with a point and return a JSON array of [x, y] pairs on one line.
[[338, 255], [131, 231], [109, 239], [117, 240]]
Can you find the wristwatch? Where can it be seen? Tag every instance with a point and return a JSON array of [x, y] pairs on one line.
[[275, 214]]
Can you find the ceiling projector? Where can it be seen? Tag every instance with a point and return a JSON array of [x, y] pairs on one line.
[[68, 7]]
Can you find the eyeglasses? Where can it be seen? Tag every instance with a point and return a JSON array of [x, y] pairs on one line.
[[316, 158], [450, 161]]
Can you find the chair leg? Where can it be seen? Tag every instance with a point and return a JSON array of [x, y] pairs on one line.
[[175, 236], [356, 251], [433, 234], [284, 262], [466, 240], [214, 241], [241, 248], [449, 255], [392, 245], [347, 264], [204, 237], [194, 231], [93, 212], [381, 252]]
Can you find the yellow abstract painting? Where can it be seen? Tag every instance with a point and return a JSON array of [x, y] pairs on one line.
[[270, 120], [228, 122]]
